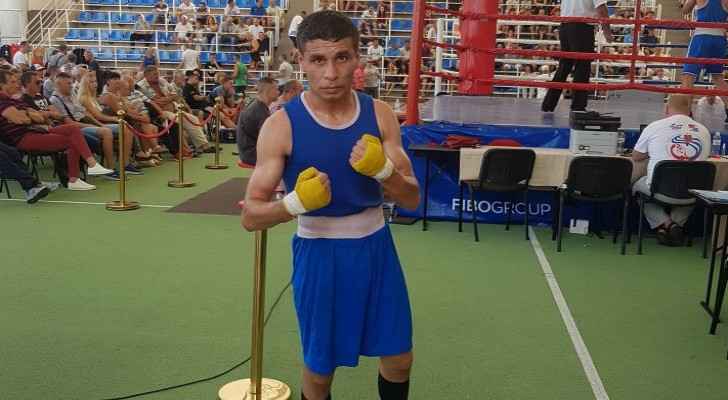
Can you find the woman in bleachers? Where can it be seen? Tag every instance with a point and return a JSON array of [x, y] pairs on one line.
[[382, 17], [259, 47], [160, 12], [88, 99], [143, 32], [183, 30], [366, 31], [202, 13], [212, 27], [391, 79]]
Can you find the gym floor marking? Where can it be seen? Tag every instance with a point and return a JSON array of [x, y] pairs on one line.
[[86, 203], [581, 350]]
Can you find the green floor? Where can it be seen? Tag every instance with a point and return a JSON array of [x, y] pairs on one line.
[[95, 304]]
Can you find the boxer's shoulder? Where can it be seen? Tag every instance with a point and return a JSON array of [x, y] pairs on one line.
[[277, 132]]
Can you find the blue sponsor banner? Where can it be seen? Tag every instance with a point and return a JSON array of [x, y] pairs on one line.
[[444, 197]]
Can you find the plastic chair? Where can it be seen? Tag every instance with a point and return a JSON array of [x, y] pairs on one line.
[[204, 57], [106, 34], [502, 171], [671, 181], [84, 16], [73, 34], [164, 56], [87, 34], [597, 180]]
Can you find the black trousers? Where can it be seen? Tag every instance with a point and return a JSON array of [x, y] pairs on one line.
[[13, 167], [574, 36]]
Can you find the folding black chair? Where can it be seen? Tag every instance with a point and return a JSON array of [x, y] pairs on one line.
[[597, 180], [503, 171], [4, 184], [670, 183]]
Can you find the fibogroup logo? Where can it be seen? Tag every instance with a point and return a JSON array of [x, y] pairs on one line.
[[502, 207]]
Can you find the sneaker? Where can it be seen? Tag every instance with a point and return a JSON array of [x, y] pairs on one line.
[[33, 195], [80, 185], [98, 169], [676, 235], [114, 176], [131, 169], [209, 150], [52, 186]]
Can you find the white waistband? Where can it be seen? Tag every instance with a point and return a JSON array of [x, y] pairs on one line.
[[353, 226], [709, 31]]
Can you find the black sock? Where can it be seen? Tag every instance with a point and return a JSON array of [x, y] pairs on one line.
[[304, 397], [393, 390]]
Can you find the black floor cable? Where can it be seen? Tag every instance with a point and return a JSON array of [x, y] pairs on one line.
[[227, 371]]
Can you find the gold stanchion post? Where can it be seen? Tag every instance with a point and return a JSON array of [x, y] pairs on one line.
[[122, 204], [257, 387], [180, 182], [218, 110]]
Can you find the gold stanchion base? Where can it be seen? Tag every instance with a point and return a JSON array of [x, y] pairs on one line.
[[216, 166], [119, 206], [272, 390], [180, 184]]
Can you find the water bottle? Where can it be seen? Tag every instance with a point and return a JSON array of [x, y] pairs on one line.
[[620, 143], [715, 145]]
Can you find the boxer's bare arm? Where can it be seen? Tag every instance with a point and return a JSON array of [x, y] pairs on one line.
[[261, 211], [402, 186], [688, 5]]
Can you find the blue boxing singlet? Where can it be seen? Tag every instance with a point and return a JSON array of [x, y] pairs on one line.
[[328, 149], [712, 11]]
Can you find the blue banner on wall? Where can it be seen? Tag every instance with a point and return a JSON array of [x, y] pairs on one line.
[[444, 191]]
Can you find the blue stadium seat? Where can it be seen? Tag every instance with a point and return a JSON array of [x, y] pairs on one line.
[[87, 34], [401, 24], [164, 56], [396, 39], [216, 4], [392, 53], [100, 16], [134, 55], [224, 58], [162, 37], [172, 19], [114, 35], [93, 1], [105, 55], [245, 58], [109, 2], [356, 21], [175, 56], [204, 57], [84, 16], [403, 7], [105, 34], [73, 34], [121, 54], [148, 17]]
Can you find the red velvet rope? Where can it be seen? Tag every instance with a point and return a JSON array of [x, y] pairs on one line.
[[202, 124], [234, 112], [150, 136]]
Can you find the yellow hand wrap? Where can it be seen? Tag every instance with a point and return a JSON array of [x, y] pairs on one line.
[[309, 194], [374, 163]]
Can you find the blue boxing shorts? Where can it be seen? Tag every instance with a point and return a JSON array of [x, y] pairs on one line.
[[706, 46], [351, 299]]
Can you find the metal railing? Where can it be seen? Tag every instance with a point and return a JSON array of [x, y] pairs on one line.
[[52, 16]]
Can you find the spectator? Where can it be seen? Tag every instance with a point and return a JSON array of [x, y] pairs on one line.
[[404, 52], [94, 112], [293, 28], [90, 61], [183, 29], [191, 92], [163, 96], [252, 119], [371, 78], [202, 13], [256, 28], [58, 58], [231, 9], [212, 27], [375, 50], [710, 111], [358, 81], [160, 12], [190, 59], [142, 31], [370, 13], [228, 32], [285, 70], [391, 79], [20, 59], [676, 137], [141, 104], [240, 76], [211, 67], [13, 167], [287, 91], [225, 91], [260, 47], [186, 9], [150, 58], [366, 30], [273, 12], [48, 84], [18, 128], [258, 9], [38, 56]]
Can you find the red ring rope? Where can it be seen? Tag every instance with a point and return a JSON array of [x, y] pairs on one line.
[[201, 124], [486, 17]]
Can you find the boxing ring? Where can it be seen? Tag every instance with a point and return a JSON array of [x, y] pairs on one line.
[[476, 111]]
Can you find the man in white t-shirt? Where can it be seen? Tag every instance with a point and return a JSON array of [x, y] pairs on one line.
[[256, 28], [293, 28], [190, 59], [20, 59], [187, 9], [183, 29], [677, 137]]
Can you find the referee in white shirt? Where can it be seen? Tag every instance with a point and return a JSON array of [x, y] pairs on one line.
[[576, 36]]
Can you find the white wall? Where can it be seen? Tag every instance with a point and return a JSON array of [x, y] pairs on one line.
[[13, 18]]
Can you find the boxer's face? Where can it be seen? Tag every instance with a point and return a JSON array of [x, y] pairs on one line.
[[330, 67]]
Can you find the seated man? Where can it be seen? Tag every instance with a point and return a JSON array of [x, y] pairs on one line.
[[251, 120], [12, 167], [197, 101], [677, 137], [27, 130]]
